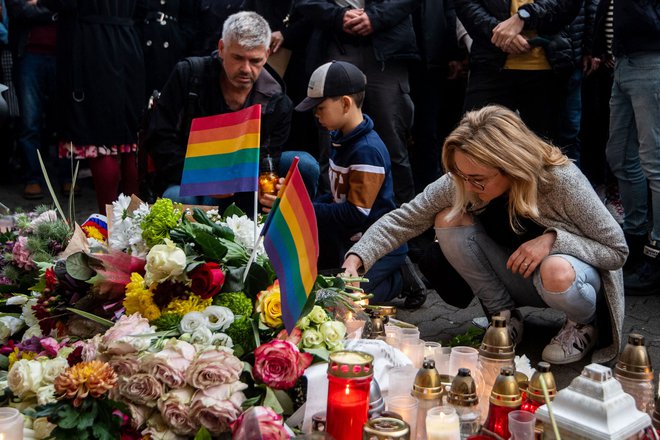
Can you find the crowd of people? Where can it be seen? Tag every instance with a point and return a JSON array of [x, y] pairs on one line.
[[389, 81]]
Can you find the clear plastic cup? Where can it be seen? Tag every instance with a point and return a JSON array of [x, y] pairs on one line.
[[521, 425]]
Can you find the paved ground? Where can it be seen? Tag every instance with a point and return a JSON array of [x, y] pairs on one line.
[[438, 321]]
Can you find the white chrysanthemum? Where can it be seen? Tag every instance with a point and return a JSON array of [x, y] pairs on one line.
[[17, 300], [218, 317], [120, 208], [34, 330], [191, 321], [243, 228], [120, 234], [8, 326]]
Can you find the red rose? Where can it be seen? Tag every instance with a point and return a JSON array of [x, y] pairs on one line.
[[279, 364], [207, 280]]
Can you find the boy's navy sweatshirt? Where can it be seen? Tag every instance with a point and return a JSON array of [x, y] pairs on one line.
[[360, 182]]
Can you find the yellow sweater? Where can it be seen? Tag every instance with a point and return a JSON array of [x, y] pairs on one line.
[[535, 59]]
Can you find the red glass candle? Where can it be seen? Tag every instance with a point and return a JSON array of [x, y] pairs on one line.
[[504, 398], [349, 380], [534, 397]]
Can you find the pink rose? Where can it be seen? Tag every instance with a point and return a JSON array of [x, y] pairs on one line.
[[260, 419], [213, 367], [216, 407], [139, 414], [90, 348], [123, 337], [125, 365], [175, 409], [279, 364], [140, 388], [170, 364]]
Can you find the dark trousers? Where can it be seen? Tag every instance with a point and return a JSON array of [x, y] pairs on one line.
[[533, 93], [387, 101]]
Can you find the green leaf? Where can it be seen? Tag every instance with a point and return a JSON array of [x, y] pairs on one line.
[[203, 434], [321, 353], [218, 230], [92, 317], [309, 304], [233, 210], [67, 417], [255, 332], [77, 265], [211, 246], [252, 401], [271, 401], [101, 432], [4, 362], [88, 417], [285, 401]]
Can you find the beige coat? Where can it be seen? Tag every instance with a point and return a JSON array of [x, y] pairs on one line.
[[569, 207]]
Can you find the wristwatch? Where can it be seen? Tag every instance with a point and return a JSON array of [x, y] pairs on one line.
[[523, 14]]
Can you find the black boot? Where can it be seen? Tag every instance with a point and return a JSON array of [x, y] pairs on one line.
[[636, 251], [414, 289], [645, 279]]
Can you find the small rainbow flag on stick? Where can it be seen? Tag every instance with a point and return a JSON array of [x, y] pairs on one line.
[[291, 241], [223, 154]]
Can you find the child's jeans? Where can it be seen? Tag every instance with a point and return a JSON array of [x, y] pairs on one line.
[[482, 263]]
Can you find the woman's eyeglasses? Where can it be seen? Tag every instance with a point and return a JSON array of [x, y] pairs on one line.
[[480, 184]]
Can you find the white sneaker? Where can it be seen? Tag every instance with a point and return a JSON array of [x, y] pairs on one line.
[[573, 342], [514, 322]]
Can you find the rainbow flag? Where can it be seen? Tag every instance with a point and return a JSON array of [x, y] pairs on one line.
[[291, 241], [223, 154]]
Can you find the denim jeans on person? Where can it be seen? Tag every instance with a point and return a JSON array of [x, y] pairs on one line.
[[570, 116], [482, 263], [309, 170], [633, 149], [36, 86]]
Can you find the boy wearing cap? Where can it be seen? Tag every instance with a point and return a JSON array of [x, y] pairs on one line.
[[360, 174]]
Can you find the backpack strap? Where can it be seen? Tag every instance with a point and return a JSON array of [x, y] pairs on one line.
[[193, 108]]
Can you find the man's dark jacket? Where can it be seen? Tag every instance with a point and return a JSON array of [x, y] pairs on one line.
[[22, 17], [167, 136], [393, 37], [549, 18], [636, 26]]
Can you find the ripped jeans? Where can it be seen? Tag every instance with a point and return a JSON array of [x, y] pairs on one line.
[[482, 263]]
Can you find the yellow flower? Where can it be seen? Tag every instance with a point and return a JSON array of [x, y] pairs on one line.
[[94, 378], [269, 306], [16, 355], [192, 304], [140, 299], [92, 232]]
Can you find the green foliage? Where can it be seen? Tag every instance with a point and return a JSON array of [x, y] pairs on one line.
[[203, 434], [218, 230], [93, 419], [212, 247], [237, 302], [240, 332], [168, 322], [233, 210], [77, 266], [259, 278], [471, 338]]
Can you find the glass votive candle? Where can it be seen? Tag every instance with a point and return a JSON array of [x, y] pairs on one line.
[[442, 423], [414, 349], [11, 424], [406, 407], [463, 357], [401, 380], [392, 335], [408, 333], [521, 425], [430, 348], [441, 358]]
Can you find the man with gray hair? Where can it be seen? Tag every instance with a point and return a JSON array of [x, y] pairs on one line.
[[230, 79]]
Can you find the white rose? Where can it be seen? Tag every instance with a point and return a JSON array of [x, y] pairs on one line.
[[201, 336], [191, 321], [164, 262], [219, 317], [53, 368], [46, 394], [25, 377], [222, 340], [8, 326]]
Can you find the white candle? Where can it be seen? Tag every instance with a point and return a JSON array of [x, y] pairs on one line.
[[442, 424]]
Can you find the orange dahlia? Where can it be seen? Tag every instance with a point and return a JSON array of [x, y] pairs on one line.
[[94, 378]]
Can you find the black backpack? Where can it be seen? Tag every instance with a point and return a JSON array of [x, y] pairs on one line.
[[149, 189]]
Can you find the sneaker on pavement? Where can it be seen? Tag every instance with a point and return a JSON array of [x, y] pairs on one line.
[[644, 279], [514, 322], [573, 342]]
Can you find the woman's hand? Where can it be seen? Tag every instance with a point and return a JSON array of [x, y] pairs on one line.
[[351, 265], [529, 255]]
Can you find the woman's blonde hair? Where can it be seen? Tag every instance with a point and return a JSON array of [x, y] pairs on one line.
[[496, 137]]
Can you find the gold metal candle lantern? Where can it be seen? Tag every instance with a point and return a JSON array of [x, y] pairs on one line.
[[386, 428], [428, 390], [463, 397], [534, 394], [635, 373], [504, 398], [496, 352]]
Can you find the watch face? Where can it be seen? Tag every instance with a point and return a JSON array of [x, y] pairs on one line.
[[523, 14]]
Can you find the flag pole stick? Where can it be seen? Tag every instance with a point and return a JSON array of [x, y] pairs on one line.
[[256, 207], [252, 257]]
